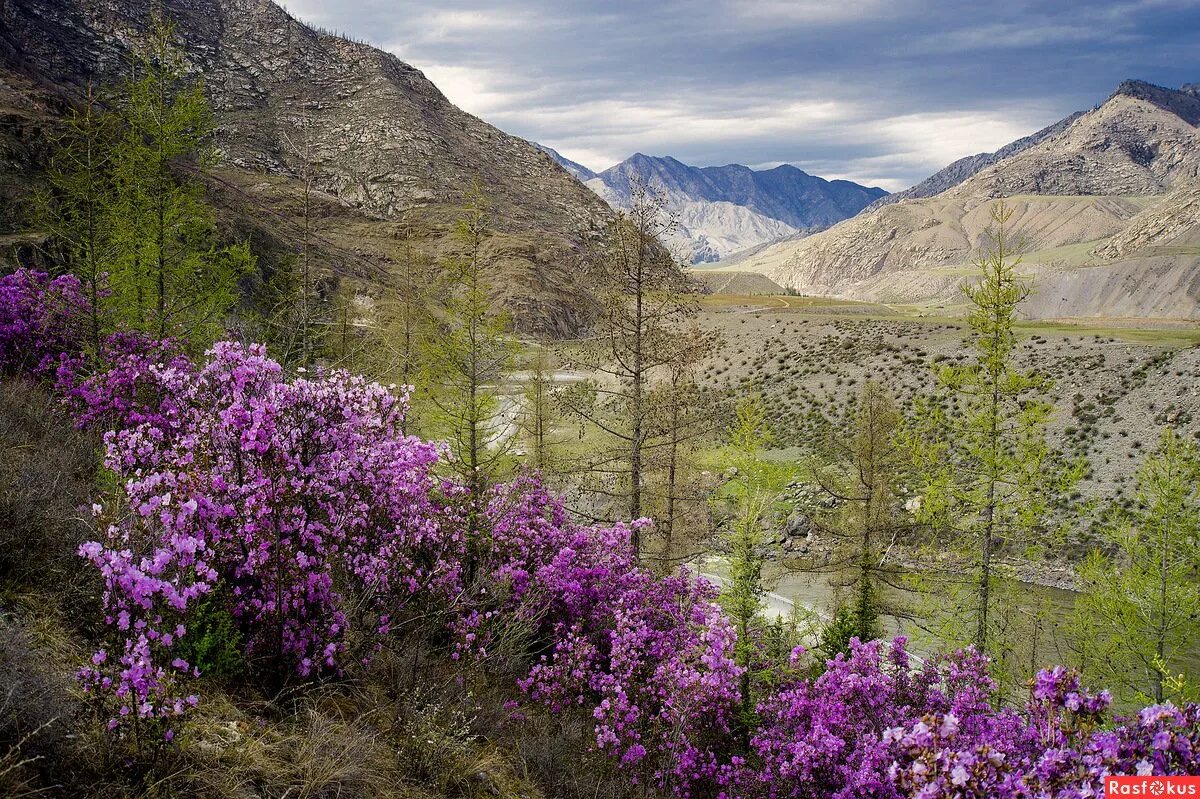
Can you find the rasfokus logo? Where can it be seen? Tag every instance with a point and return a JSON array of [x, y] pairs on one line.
[[1153, 787]]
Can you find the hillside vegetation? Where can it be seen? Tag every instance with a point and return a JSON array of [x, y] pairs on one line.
[[283, 516]]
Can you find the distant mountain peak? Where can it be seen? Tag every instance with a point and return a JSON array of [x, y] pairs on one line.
[[725, 209], [1106, 201], [968, 166], [577, 170], [1184, 102]]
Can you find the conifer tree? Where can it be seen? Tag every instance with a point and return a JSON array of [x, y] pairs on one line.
[[78, 208], [411, 325], [861, 472], [471, 356], [397, 333], [644, 305], [170, 276], [1139, 612], [538, 412], [987, 475], [751, 498], [681, 416], [302, 309]]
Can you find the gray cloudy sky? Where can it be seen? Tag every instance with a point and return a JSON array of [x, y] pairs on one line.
[[883, 92]]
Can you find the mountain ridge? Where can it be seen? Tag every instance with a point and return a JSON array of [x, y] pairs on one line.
[[1100, 197], [785, 192], [576, 169], [388, 144], [967, 167], [721, 210]]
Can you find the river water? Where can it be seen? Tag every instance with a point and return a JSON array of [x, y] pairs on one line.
[[815, 594]]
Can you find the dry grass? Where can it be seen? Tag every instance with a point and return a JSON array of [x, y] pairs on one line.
[[314, 753], [47, 472], [39, 708]]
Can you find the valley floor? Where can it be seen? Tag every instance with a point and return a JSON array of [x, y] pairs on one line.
[[1116, 382]]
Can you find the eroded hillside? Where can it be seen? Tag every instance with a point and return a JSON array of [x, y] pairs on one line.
[[385, 147], [1105, 202]]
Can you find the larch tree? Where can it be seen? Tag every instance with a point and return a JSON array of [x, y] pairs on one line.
[[77, 209], [750, 498], [862, 471], [411, 324], [538, 412], [644, 302], [471, 356], [400, 329], [985, 471], [170, 276], [1139, 612], [301, 312], [682, 416]]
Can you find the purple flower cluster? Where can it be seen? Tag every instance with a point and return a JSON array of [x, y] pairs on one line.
[[146, 598], [1058, 748], [649, 658], [132, 386], [40, 319], [300, 506], [299, 498]]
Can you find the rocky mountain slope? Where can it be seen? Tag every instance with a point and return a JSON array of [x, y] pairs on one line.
[[720, 210], [1105, 205], [389, 150], [964, 168]]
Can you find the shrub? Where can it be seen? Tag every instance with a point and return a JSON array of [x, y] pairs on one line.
[[300, 500], [41, 319]]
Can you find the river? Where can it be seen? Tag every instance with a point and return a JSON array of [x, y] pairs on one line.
[[815, 593]]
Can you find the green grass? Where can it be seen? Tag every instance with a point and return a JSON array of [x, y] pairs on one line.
[[1169, 333], [1167, 336], [778, 467]]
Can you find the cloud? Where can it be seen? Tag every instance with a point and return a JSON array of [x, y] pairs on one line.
[[476, 90], [808, 12], [879, 91]]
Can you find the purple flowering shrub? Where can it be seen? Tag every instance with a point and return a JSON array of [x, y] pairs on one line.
[[1058, 748], [299, 506], [815, 735], [318, 520], [148, 588], [649, 658], [1161, 739], [41, 319], [133, 381]]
